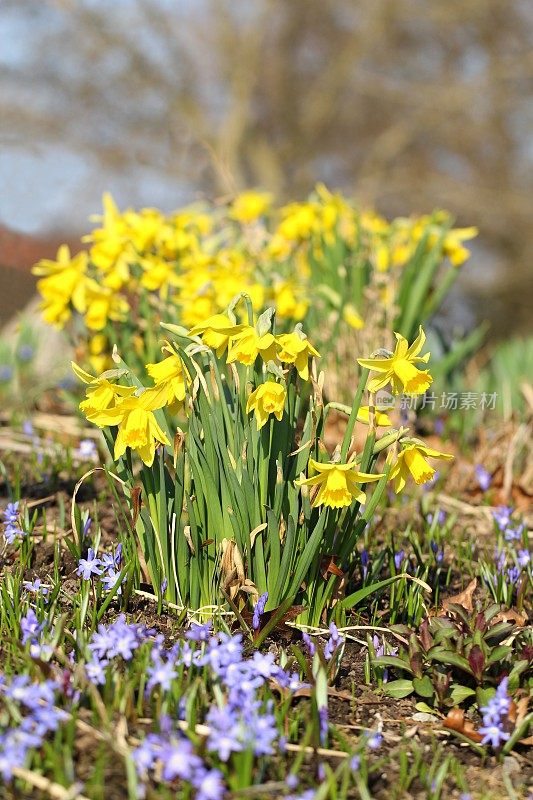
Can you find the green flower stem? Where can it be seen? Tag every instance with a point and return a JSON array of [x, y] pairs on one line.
[[353, 414]]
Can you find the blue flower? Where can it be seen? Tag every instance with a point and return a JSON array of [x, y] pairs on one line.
[[259, 611], [484, 478], [31, 627], [502, 516], [87, 567]]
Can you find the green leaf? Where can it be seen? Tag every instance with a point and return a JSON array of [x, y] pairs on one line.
[[392, 661], [398, 689], [460, 693], [449, 657], [499, 654], [355, 598], [483, 695], [426, 709], [514, 675], [423, 686]]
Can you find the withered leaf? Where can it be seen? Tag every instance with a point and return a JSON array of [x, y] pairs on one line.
[[456, 721], [463, 599], [518, 618], [136, 503]]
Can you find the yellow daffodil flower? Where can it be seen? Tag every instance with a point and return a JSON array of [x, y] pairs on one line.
[[101, 394], [171, 373], [249, 206], [453, 244], [99, 355], [382, 420], [352, 318], [268, 398], [399, 369], [216, 331], [247, 345], [296, 349], [63, 285], [290, 301], [102, 304], [412, 461], [138, 427], [159, 275], [338, 483], [300, 221]]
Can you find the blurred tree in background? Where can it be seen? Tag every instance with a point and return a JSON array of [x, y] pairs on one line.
[[406, 104]]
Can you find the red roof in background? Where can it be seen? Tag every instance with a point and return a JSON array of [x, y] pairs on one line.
[[21, 251]]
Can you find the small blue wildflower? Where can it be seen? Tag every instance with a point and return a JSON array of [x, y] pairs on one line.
[[355, 763], [441, 518], [484, 478], [25, 352], [87, 567], [495, 716], [87, 450], [160, 673], [513, 574], [502, 517], [31, 627], [309, 644], [364, 563], [514, 534], [437, 552], [398, 559], [27, 427], [292, 781], [259, 611], [323, 724], [209, 785], [198, 632], [334, 642], [374, 741], [11, 513], [36, 587]]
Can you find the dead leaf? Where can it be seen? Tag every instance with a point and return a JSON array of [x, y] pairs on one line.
[[136, 502], [518, 618], [518, 710], [327, 565], [456, 721], [463, 599]]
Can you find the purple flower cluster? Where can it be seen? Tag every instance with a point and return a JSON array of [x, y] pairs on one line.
[[12, 529], [511, 529], [496, 716], [106, 567], [32, 631], [334, 643], [510, 564], [178, 761], [238, 721], [119, 639], [38, 718]]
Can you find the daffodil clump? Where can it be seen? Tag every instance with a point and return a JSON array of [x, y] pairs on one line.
[[223, 440], [321, 262]]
